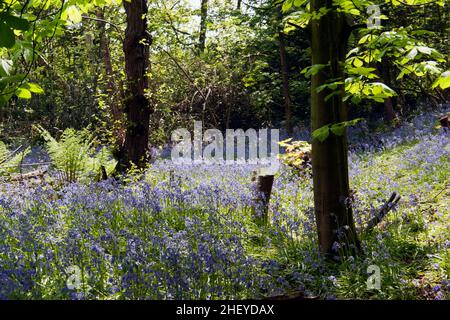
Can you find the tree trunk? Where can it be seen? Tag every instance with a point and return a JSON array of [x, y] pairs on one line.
[[285, 80], [137, 106], [389, 113], [113, 95], [330, 158], [264, 185], [388, 104], [203, 28]]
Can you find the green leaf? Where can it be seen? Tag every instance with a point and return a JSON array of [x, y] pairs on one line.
[[16, 22], [339, 128], [3, 101], [422, 32], [73, 14], [35, 88], [321, 134], [11, 79], [412, 54], [401, 75], [5, 67], [362, 71], [313, 70], [357, 63], [299, 3], [365, 39], [443, 81], [23, 93], [427, 67], [287, 5], [7, 36], [376, 90], [425, 50]]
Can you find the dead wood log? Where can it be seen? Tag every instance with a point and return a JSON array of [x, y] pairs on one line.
[[27, 176], [23, 165]]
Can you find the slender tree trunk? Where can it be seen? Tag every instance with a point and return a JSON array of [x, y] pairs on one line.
[[330, 158], [137, 106], [389, 113], [113, 94], [239, 5], [285, 81], [384, 68], [203, 27]]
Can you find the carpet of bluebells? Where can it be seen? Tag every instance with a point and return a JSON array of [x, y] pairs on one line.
[[188, 232]]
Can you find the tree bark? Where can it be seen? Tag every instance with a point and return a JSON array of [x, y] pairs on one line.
[[113, 95], [333, 211], [264, 185], [389, 113], [203, 26], [285, 80], [137, 106]]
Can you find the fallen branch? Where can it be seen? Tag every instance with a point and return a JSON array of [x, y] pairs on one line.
[[447, 186], [292, 296], [28, 176], [28, 165], [392, 202]]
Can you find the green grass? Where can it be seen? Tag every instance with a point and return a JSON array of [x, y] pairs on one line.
[[411, 246]]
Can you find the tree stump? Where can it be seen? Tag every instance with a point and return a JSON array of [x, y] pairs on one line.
[[264, 184], [445, 124]]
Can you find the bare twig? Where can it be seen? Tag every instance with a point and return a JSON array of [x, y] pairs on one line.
[[185, 73], [11, 155]]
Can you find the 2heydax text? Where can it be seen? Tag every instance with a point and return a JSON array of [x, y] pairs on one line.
[[226, 309]]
